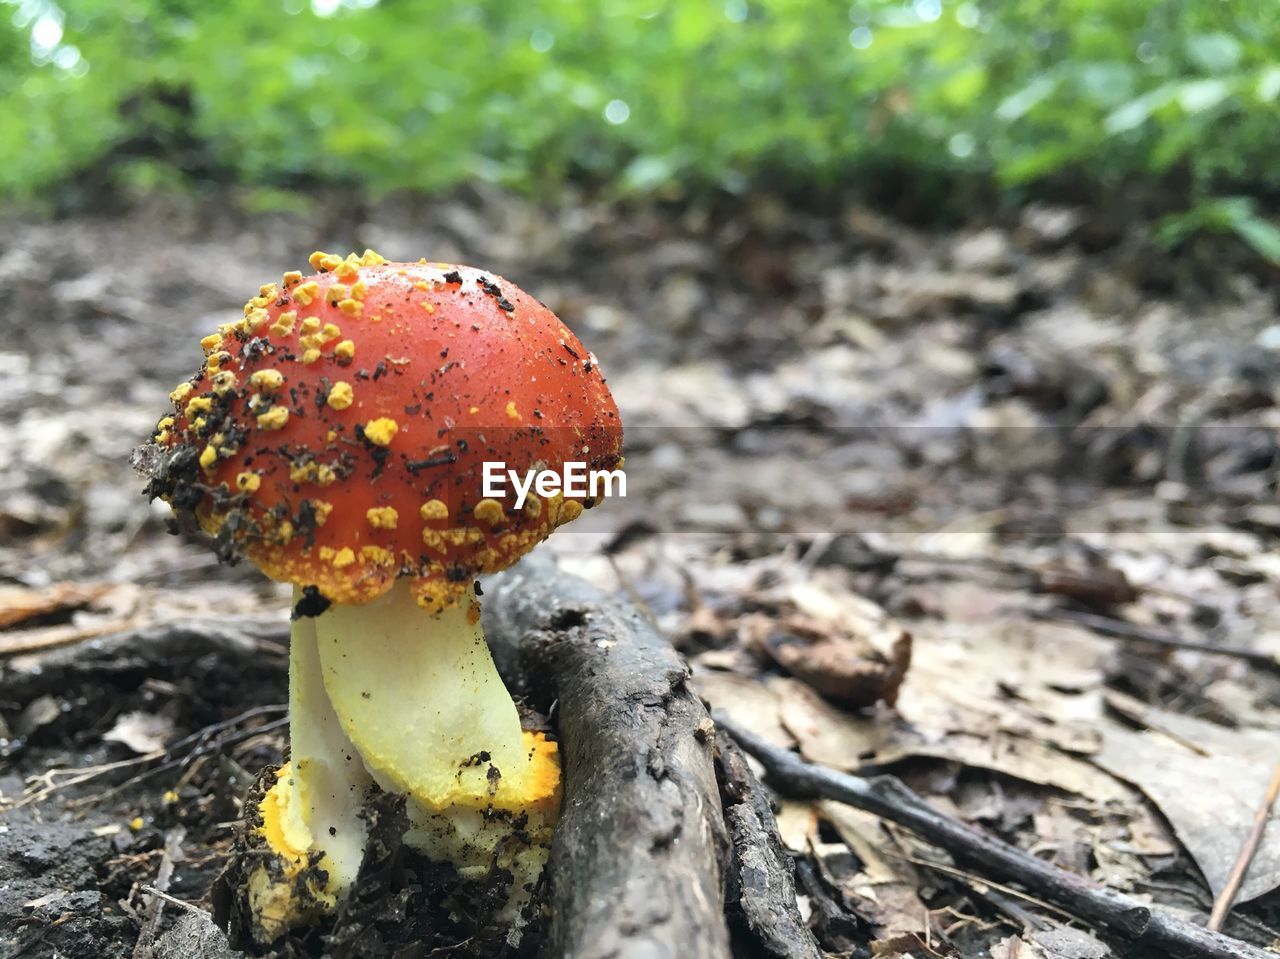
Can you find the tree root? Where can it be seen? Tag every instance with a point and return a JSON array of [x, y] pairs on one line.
[[655, 855]]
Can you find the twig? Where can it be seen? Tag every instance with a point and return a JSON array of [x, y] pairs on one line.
[[1226, 899], [179, 761], [81, 775], [142, 949], [1119, 629], [89, 773], [174, 900], [35, 640], [760, 890], [886, 796], [974, 880]]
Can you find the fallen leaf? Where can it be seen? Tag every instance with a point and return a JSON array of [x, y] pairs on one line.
[[909, 946], [797, 823], [1208, 781], [18, 604], [746, 701], [141, 732], [1067, 942], [40, 712], [863, 833], [834, 738], [1015, 947]]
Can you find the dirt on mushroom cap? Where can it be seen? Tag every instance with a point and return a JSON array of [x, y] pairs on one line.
[[337, 433]]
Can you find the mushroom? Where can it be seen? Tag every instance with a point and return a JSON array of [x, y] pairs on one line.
[[336, 436]]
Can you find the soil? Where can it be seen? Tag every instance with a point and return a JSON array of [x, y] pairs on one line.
[[962, 428]]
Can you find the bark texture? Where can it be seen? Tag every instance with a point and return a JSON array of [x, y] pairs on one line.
[[638, 861], [761, 891]]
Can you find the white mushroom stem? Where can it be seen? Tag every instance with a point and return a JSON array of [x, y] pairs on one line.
[[327, 780], [391, 694], [419, 696]]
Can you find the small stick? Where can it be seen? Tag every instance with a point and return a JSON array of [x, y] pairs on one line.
[[208, 734], [154, 904], [1226, 899], [886, 796], [1119, 629], [188, 906]]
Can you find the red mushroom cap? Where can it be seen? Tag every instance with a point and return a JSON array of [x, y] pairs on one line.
[[337, 434]]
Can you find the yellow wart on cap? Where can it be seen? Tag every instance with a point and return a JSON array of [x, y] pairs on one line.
[[382, 517], [266, 380], [274, 418], [382, 431], [434, 509], [489, 511], [341, 395]]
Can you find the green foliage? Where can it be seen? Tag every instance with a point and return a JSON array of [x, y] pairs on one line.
[[644, 94], [1233, 214]]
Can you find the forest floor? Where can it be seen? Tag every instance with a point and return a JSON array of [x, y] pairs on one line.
[[1039, 453]]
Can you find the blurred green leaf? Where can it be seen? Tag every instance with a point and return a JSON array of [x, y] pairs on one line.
[[1195, 96], [1026, 99], [1139, 110], [1233, 214], [411, 94], [1263, 235], [1268, 84], [1214, 52]]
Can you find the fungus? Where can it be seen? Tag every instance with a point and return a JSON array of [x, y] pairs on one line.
[[333, 458]]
